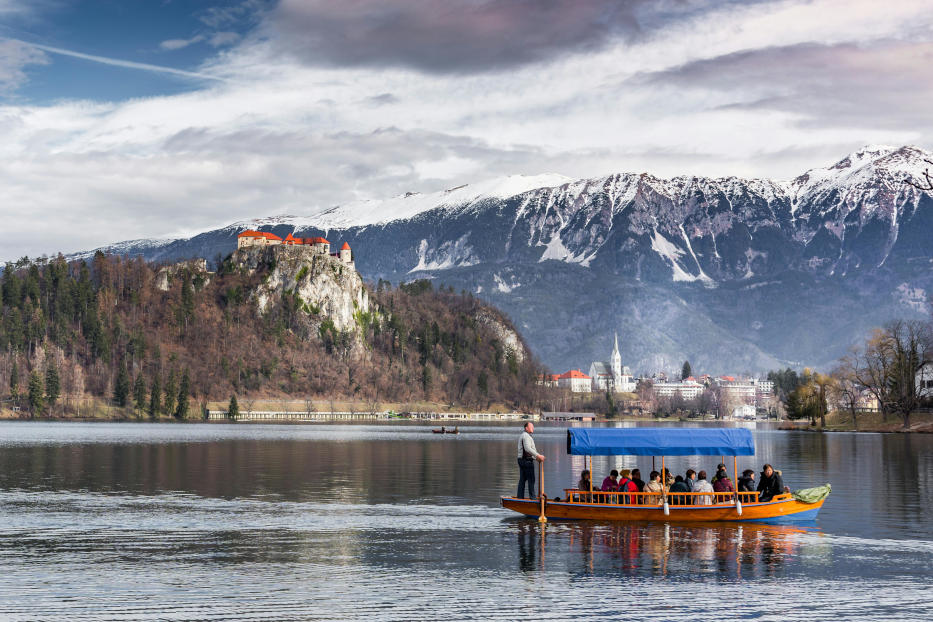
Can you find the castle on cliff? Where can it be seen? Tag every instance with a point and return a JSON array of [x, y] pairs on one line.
[[250, 238]]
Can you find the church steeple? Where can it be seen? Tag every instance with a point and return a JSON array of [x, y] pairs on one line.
[[615, 361]]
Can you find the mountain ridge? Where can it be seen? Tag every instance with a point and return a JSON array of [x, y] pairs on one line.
[[836, 231]]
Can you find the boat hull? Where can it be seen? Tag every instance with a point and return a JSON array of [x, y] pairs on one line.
[[781, 511]]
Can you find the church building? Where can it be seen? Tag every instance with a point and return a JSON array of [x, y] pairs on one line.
[[612, 375]]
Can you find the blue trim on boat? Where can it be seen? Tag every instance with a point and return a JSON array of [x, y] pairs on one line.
[[806, 515]]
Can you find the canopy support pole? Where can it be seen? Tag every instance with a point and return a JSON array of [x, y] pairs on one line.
[[664, 506], [735, 484], [542, 518]]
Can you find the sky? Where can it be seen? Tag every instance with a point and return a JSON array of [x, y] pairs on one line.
[[125, 119]]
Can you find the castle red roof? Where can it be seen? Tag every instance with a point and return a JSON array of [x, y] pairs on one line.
[[345, 247], [317, 240], [249, 233]]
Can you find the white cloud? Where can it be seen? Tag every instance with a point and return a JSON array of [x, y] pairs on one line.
[[178, 44], [15, 56], [285, 135]]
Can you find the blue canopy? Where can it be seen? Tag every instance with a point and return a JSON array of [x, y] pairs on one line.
[[660, 442]]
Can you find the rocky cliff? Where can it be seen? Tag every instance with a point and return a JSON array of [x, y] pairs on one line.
[[325, 286]]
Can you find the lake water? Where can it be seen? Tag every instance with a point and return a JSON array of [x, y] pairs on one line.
[[261, 522]]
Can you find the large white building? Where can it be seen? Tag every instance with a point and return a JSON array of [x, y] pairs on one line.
[[612, 375], [687, 389], [576, 381]]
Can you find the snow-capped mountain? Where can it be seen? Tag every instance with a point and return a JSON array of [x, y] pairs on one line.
[[732, 274]]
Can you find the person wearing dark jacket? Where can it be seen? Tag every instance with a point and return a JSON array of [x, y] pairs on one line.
[[679, 485], [770, 484], [636, 477], [747, 481]]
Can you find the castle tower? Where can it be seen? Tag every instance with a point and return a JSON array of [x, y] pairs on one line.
[[615, 362], [346, 255]]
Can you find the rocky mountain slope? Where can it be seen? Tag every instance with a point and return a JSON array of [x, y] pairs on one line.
[[732, 274]]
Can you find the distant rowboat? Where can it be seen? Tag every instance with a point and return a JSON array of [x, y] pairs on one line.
[[668, 506], [444, 430]]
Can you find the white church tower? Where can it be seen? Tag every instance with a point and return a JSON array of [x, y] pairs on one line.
[[615, 363]]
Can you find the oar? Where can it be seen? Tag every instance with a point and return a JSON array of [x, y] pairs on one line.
[[542, 518]]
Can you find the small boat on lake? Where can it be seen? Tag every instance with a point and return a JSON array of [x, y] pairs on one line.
[[594, 504], [444, 430]]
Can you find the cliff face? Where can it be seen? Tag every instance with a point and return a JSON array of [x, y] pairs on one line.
[[325, 286]]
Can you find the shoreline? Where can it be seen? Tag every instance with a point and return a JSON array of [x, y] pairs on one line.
[[895, 428]]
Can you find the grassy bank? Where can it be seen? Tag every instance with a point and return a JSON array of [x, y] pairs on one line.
[[866, 422]]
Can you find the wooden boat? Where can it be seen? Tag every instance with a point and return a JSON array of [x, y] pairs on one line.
[[666, 506], [444, 430]]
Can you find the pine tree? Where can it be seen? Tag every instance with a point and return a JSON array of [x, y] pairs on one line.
[[14, 381], [686, 372], [426, 379], [36, 391], [171, 393], [121, 388], [155, 398], [184, 391], [233, 410], [139, 392], [53, 384]]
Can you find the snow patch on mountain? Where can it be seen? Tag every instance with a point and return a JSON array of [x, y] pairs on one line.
[[669, 251], [912, 297], [452, 254], [504, 286]]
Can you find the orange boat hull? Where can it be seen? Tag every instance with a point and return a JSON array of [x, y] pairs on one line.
[[777, 511]]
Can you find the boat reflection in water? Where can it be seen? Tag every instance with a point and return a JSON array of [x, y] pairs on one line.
[[728, 550]]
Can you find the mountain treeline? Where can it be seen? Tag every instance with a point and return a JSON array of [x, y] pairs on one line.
[[161, 341]]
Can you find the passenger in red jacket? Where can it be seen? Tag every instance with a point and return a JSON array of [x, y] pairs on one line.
[[722, 484], [627, 485]]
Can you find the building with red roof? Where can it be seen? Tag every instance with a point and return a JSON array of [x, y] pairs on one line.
[[576, 381], [318, 244], [257, 238]]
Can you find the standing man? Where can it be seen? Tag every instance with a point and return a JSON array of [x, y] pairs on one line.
[[527, 454]]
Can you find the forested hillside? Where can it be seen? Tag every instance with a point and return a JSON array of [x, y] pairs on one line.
[[160, 341]]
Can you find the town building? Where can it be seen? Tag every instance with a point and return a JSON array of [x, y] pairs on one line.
[[250, 238], [688, 389], [612, 375], [924, 380], [745, 411], [576, 381]]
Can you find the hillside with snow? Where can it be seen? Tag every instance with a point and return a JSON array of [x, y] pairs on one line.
[[732, 274]]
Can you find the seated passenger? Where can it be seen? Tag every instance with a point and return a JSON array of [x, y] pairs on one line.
[[636, 477], [627, 485], [611, 483], [679, 485], [690, 479], [770, 484], [667, 478], [722, 484], [720, 468], [653, 486], [702, 485], [585, 484], [747, 481]]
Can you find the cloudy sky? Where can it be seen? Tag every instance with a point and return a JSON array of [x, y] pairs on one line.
[[126, 119]]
